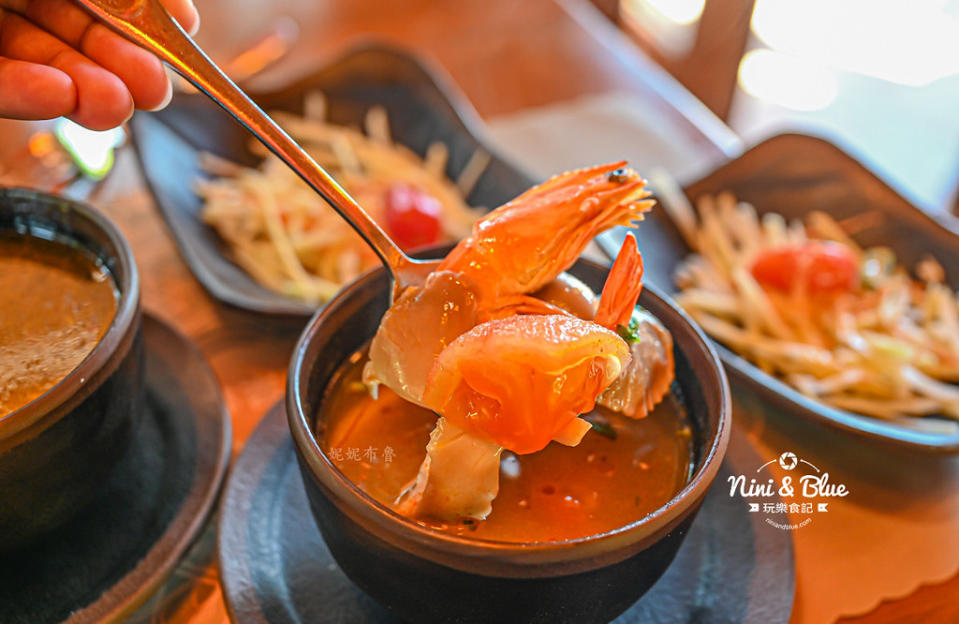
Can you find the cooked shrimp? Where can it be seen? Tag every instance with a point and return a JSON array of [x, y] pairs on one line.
[[570, 294], [622, 287], [503, 368], [647, 378], [413, 332], [518, 383], [649, 374], [523, 381], [515, 250], [524, 244], [514, 383]]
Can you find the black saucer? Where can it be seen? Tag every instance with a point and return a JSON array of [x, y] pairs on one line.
[[120, 549], [275, 567]]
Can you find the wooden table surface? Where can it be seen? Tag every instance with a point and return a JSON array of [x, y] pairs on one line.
[[506, 56]]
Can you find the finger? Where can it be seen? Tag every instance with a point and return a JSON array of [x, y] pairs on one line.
[[140, 71], [185, 13], [102, 100], [32, 91]]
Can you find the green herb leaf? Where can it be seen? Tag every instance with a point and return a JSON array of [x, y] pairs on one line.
[[629, 333], [601, 427]]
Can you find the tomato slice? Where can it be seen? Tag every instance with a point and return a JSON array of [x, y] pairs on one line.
[[412, 216], [824, 267]]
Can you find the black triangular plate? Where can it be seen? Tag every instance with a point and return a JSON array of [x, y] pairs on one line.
[[422, 104], [794, 174]]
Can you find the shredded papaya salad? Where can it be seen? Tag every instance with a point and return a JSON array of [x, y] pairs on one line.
[[846, 325], [288, 239]]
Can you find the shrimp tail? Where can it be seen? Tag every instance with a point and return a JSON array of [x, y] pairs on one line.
[[622, 288]]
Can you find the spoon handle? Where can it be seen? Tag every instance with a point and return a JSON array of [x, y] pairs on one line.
[[147, 23]]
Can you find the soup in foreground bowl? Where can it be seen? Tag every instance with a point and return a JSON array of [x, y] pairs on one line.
[[55, 305], [622, 470]]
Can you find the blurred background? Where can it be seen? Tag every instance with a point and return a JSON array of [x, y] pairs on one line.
[[880, 77]]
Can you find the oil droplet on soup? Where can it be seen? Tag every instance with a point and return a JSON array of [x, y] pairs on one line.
[[55, 305], [609, 480]]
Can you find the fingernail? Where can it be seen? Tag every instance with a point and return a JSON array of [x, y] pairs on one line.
[[196, 22], [166, 98]]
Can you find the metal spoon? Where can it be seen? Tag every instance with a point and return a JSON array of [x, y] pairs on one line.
[[148, 24]]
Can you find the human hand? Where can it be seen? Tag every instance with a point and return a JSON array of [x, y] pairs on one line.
[[58, 60]]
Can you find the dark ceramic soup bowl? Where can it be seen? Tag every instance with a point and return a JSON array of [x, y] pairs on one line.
[[421, 574], [56, 450]]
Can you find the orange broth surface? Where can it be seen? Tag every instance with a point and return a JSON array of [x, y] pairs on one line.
[[555, 494], [55, 305]]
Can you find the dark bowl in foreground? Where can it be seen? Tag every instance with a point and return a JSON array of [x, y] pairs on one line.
[[422, 574], [57, 450]]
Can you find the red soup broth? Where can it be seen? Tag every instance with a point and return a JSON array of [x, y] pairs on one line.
[[623, 469]]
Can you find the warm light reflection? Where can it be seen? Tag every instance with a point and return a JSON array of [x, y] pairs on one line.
[[910, 43], [679, 11], [670, 25], [786, 80], [41, 144]]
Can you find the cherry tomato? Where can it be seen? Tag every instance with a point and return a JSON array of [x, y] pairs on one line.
[[824, 267], [412, 216]]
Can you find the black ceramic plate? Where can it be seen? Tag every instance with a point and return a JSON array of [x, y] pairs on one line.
[[117, 552], [423, 107], [275, 567], [794, 174]]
